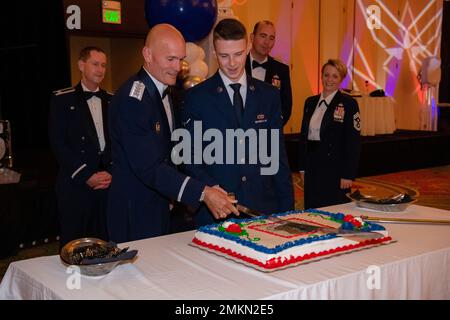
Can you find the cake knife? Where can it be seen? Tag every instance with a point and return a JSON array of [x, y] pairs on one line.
[[307, 227], [405, 220]]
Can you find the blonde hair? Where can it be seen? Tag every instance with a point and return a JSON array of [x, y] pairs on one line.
[[339, 65]]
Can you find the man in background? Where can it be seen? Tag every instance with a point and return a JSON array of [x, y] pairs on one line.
[[78, 132], [262, 66]]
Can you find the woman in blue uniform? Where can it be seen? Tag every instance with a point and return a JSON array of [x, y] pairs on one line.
[[330, 141]]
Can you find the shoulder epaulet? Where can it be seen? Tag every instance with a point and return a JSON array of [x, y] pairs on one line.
[[137, 90], [346, 94], [278, 60], [63, 91]]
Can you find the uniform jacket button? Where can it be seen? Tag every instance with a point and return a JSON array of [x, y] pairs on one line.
[[82, 138], [82, 151], [244, 178]]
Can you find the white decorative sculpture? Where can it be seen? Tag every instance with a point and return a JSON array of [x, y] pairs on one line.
[[430, 73], [429, 77]]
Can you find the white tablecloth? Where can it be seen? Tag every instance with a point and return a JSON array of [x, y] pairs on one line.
[[415, 267], [377, 115]]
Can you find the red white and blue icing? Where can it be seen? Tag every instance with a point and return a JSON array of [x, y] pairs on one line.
[[241, 238]]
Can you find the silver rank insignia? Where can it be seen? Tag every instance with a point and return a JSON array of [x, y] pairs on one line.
[[158, 127], [357, 121], [137, 90]]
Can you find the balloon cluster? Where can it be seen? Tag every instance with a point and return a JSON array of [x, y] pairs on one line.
[[194, 18], [193, 69]]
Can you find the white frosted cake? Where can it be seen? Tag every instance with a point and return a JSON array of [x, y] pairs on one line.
[[271, 245]]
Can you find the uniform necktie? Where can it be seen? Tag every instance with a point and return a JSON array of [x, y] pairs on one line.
[[256, 64], [167, 107], [237, 101], [90, 94], [166, 92], [324, 102]]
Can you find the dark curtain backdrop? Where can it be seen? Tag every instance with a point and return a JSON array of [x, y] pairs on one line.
[[444, 86], [34, 62]]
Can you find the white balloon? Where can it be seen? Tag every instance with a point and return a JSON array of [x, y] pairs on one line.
[[192, 52], [201, 54], [198, 68]]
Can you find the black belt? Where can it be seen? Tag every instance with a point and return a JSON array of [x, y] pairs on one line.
[[313, 145]]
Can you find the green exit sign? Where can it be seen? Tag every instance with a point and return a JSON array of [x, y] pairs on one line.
[[111, 12], [111, 16]]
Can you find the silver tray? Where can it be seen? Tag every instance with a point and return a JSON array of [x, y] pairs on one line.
[[391, 207], [98, 269]]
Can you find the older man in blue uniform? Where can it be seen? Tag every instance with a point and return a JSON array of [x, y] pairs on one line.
[[142, 118], [262, 66], [232, 100], [78, 132]]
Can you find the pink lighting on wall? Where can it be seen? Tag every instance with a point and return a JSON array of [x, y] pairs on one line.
[[405, 37]]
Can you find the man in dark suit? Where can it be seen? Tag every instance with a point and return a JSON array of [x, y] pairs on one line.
[[142, 119], [265, 68], [78, 132], [231, 101]]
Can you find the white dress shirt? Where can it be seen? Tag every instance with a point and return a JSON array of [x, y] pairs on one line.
[[95, 107], [259, 72], [230, 91], [316, 120], [161, 87]]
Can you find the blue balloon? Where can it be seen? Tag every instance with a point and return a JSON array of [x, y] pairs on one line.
[[194, 18]]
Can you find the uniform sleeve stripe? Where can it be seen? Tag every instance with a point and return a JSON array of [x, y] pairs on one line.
[[78, 170], [180, 194], [64, 91]]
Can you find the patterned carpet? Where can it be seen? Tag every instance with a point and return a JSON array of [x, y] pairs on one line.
[[430, 186]]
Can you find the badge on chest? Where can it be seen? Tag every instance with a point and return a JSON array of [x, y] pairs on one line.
[[339, 113], [260, 118], [276, 82]]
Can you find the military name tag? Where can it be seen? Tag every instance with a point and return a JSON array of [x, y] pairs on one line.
[[261, 118]]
